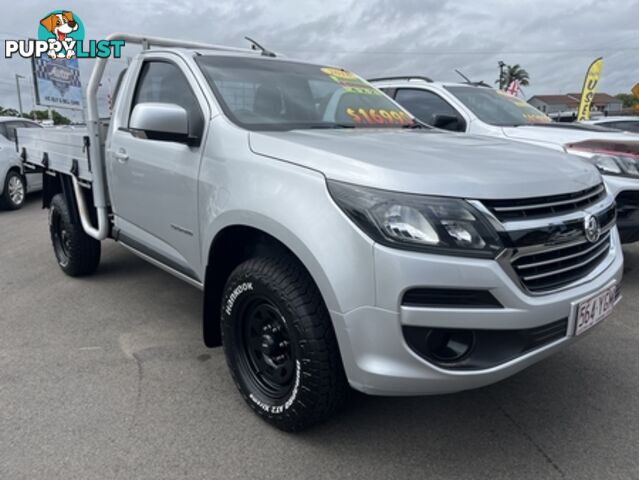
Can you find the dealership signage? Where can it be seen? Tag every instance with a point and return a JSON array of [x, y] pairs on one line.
[[590, 87], [57, 82], [61, 36], [54, 57]]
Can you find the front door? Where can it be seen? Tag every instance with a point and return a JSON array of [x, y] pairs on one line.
[[154, 183]]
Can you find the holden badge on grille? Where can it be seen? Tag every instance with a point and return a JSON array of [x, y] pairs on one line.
[[592, 228]]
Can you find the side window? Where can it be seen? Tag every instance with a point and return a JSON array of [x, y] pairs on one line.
[[118, 84], [11, 130], [163, 82], [630, 126], [623, 125], [426, 105]]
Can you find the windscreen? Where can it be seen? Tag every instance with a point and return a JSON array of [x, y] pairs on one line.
[[498, 108], [267, 94]]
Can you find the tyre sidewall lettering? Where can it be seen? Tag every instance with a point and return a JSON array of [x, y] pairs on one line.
[[235, 294], [281, 408]]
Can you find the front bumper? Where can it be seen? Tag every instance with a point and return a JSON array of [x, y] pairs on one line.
[[377, 357], [626, 193]]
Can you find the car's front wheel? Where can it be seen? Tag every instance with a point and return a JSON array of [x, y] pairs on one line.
[[15, 191], [280, 345]]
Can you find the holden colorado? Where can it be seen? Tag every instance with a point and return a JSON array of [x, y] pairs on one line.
[[338, 242]]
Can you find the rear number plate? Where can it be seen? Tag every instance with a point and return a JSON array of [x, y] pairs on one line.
[[591, 311]]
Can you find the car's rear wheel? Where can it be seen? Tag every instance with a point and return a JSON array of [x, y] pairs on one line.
[[77, 253], [15, 191], [280, 345]]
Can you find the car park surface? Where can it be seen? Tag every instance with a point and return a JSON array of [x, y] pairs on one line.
[[118, 384]]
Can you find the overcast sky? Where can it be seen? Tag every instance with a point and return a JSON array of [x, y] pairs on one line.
[[555, 40]]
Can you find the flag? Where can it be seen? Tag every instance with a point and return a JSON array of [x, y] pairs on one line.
[[588, 91], [513, 88]]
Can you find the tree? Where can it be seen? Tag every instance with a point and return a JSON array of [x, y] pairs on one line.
[[628, 99], [59, 119], [513, 72], [39, 114], [9, 112]]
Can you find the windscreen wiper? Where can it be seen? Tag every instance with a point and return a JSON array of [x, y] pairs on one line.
[[418, 124]]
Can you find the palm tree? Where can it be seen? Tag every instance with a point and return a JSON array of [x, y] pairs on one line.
[[513, 72], [9, 112]]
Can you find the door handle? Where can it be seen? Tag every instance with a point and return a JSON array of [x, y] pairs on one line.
[[121, 155]]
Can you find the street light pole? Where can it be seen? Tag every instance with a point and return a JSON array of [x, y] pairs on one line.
[[18, 77], [501, 74]]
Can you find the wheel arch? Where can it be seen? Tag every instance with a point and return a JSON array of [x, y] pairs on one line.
[[235, 243], [53, 185], [11, 168]]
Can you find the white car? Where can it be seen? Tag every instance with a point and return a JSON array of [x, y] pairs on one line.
[[14, 183], [481, 110], [627, 124]]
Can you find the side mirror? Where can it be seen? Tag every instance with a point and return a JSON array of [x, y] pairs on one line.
[[447, 122], [162, 121]]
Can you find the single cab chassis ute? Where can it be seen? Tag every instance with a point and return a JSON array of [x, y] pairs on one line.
[[337, 241]]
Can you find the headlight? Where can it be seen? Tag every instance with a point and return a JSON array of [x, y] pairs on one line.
[[417, 222], [617, 164]]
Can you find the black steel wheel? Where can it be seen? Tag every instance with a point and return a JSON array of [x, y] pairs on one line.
[[268, 359], [280, 344], [60, 238]]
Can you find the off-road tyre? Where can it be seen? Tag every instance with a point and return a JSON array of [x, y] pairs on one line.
[[77, 253], [273, 316]]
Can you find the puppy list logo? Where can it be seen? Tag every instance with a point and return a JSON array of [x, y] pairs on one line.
[[61, 35]]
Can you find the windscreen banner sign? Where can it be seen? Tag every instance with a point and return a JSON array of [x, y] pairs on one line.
[[57, 82]]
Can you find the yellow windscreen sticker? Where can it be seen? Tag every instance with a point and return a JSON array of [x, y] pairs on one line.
[[349, 81]]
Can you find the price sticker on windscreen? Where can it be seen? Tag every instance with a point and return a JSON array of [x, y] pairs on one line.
[[350, 82], [367, 105]]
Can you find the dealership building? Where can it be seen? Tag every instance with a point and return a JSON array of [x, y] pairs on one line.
[[569, 102]]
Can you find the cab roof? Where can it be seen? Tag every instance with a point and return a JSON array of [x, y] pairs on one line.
[[420, 80]]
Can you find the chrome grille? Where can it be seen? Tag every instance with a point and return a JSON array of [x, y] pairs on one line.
[[540, 207], [556, 267]]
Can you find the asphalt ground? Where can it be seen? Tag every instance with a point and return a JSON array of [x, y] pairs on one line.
[[107, 377]]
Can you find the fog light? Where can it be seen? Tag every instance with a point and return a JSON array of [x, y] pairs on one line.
[[449, 346]]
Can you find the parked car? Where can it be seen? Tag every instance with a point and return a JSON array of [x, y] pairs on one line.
[[14, 182], [481, 110], [338, 242], [627, 124]]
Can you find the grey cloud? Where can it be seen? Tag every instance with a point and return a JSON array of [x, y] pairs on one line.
[[554, 40]]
